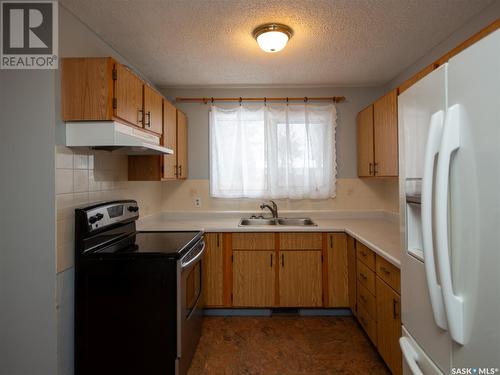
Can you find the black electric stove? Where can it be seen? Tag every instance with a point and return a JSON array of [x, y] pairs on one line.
[[138, 295]]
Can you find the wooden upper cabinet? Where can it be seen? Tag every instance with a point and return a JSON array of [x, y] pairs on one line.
[[365, 142], [385, 128], [337, 270], [214, 270], [170, 140], [254, 273], [377, 138], [153, 103], [128, 96], [300, 279], [87, 89], [389, 326], [182, 145]]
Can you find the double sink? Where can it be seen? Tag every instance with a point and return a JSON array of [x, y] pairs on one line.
[[297, 222]]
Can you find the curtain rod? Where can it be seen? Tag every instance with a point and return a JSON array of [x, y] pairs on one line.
[[335, 99]]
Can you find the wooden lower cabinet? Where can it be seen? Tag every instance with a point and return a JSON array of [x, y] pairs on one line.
[[253, 278], [300, 279], [338, 295], [351, 265], [214, 270], [389, 326]]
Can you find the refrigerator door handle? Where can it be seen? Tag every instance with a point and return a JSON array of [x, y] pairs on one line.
[[449, 144], [410, 356], [431, 151]]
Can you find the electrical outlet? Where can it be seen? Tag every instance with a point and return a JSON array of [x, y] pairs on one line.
[[197, 202]]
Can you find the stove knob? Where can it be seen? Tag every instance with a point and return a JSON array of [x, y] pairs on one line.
[[99, 216], [93, 219], [133, 208]]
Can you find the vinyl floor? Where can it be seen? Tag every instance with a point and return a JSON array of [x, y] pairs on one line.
[[284, 345]]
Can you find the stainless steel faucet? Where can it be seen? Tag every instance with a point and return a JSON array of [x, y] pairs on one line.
[[273, 209]]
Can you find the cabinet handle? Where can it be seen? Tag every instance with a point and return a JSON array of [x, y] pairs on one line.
[[282, 260], [394, 310], [176, 172], [385, 270], [375, 168], [363, 275], [364, 254], [148, 122], [218, 243], [139, 116], [331, 241], [370, 170], [271, 260], [180, 170]]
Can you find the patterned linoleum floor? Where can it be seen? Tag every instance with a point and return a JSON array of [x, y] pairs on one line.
[[284, 345]]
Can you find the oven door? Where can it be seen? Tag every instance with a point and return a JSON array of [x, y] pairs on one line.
[[189, 304]]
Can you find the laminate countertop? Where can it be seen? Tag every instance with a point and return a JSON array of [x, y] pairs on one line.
[[377, 230]]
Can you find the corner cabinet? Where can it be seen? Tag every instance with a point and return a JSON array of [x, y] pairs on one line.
[[101, 89], [165, 167], [377, 138]]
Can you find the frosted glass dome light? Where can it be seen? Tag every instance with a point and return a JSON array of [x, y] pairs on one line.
[[272, 37]]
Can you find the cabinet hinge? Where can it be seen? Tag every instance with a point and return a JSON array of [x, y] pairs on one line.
[[114, 74], [115, 103]]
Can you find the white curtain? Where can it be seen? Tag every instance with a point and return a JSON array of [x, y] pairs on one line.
[[273, 151]]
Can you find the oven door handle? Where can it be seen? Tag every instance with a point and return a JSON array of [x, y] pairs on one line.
[[196, 257]]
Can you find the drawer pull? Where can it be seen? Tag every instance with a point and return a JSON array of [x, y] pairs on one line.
[[385, 270], [363, 276], [271, 260]]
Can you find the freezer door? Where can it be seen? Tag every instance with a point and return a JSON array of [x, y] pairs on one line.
[[415, 361], [472, 218], [417, 317]]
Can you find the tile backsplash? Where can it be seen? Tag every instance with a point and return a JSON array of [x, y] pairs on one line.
[[83, 177]]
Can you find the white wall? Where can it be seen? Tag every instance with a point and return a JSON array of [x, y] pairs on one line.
[[27, 226]]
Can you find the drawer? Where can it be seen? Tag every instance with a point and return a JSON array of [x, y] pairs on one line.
[[368, 324], [366, 301], [365, 255], [253, 241], [389, 273], [366, 277], [301, 241]]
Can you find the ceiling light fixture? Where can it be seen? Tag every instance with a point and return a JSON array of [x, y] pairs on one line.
[[272, 37]]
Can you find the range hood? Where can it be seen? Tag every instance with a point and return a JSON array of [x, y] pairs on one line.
[[111, 136]]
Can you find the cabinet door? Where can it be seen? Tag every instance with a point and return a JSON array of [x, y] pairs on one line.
[[152, 110], [214, 270], [253, 278], [182, 145], [128, 96], [389, 326], [365, 142], [300, 279], [170, 140], [337, 270], [385, 125], [351, 265]]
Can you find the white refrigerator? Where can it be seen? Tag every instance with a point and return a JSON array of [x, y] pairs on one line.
[[449, 137]]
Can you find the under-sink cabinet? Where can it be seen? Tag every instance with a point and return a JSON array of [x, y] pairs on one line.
[[266, 270]]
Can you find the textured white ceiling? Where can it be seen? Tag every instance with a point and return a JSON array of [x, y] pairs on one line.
[[335, 42]]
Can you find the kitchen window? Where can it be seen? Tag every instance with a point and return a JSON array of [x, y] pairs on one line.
[[273, 151]]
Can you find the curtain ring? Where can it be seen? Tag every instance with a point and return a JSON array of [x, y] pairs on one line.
[[305, 99], [240, 100], [265, 100], [287, 100], [212, 100]]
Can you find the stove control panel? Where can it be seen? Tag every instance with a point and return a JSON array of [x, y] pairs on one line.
[[108, 214]]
